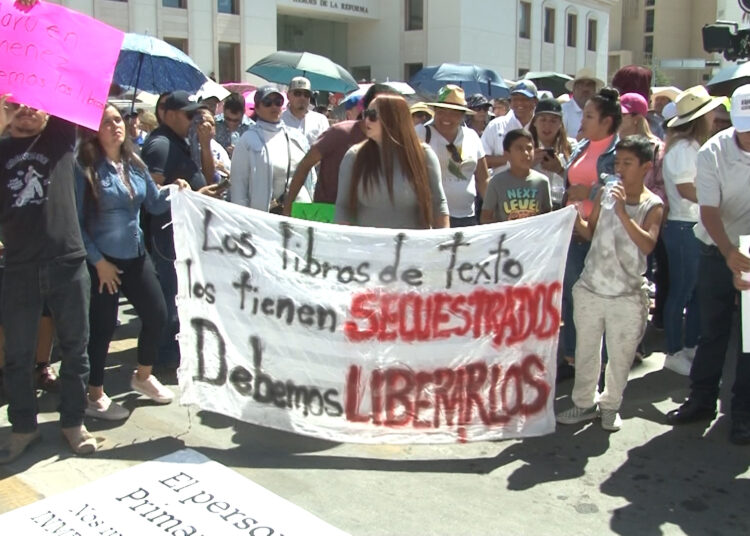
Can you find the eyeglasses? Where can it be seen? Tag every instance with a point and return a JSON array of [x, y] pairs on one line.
[[270, 101], [230, 119], [371, 114], [455, 155], [301, 93]]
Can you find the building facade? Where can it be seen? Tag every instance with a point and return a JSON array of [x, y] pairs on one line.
[[667, 33], [374, 39]]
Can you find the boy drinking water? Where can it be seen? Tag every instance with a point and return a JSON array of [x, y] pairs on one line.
[[611, 294], [518, 192]]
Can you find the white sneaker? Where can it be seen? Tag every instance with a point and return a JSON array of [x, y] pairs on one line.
[[611, 420], [576, 414], [678, 362], [152, 388], [690, 352], [105, 409]]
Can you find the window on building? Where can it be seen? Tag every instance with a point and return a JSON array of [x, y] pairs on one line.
[[229, 6], [177, 42], [522, 72], [410, 69], [361, 73], [414, 15], [591, 38], [650, 2], [182, 4], [648, 26], [648, 44], [524, 20], [549, 25], [572, 38], [229, 62]]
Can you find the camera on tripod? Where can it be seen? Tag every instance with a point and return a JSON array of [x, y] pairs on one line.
[[724, 37]]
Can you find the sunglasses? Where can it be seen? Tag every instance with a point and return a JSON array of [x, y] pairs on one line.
[[272, 101], [455, 155], [301, 93], [371, 114]]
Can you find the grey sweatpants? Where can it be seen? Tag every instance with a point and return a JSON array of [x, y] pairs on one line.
[[624, 321]]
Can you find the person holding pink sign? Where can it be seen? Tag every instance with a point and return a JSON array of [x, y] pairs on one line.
[[45, 263]]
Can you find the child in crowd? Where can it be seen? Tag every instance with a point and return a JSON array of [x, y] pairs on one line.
[[611, 294], [518, 192]]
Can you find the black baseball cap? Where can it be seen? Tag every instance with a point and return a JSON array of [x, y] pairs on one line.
[[478, 101], [264, 92], [548, 106], [180, 100]]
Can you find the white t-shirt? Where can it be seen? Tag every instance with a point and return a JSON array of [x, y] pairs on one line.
[[492, 137], [220, 154], [572, 115], [723, 181], [679, 167], [312, 125], [458, 179]]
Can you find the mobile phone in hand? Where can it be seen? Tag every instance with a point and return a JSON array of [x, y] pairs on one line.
[[223, 184]]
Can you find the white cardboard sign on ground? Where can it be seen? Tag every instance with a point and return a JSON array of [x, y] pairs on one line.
[[745, 299], [182, 494]]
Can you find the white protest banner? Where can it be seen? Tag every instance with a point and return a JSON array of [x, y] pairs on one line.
[[183, 494], [369, 335], [745, 298]]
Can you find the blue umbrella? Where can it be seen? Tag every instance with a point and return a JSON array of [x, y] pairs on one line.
[[472, 78], [324, 75], [150, 64]]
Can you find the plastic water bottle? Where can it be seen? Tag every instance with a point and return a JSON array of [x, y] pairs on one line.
[[610, 181], [234, 137]]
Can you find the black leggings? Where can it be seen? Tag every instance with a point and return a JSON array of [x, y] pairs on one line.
[[141, 287]]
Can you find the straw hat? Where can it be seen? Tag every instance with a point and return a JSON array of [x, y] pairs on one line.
[[451, 96], [421, 107], [584, 74], [692, 104]]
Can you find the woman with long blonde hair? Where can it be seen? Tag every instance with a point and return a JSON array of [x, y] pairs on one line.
[[391, 179]]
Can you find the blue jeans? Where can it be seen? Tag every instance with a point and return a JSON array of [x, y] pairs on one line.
[[573, 267], [163, 256], [716, 294], [683, 254], [64, 287]]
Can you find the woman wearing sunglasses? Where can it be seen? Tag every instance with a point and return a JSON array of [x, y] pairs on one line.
[[391, 179], [266, 156]]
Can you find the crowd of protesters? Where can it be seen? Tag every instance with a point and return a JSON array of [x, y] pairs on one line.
[[657, 190]]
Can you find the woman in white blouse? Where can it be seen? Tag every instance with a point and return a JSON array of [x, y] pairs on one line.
[[688, 131]]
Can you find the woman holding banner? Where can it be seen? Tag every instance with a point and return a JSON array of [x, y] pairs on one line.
[[391, 179], [112, 183]]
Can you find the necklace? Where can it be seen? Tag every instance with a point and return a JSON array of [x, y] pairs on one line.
[[30, 147]]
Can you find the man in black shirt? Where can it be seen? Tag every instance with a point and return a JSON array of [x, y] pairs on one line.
[[167, 154], [45, 263]]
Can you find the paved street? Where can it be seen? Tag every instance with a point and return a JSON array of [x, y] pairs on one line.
[[647, 479]]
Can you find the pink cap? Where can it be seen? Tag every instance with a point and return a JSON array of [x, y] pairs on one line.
[[633, 103]]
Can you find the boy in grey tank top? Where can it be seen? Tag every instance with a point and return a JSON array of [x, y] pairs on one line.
[[611, 294]]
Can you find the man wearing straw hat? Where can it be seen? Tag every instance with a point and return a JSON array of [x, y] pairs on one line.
[[582, 88], [460, 152], [723, 191]]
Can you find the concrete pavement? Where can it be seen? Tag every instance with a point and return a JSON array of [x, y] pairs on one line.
[[647, 479]]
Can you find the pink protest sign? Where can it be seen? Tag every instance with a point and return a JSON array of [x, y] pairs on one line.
[[57, 60]]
